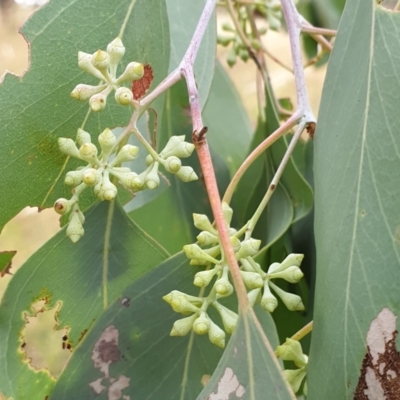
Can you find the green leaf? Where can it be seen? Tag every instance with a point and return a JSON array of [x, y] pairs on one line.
[[75, 281], [183, 20], [357, 181], [248, 370], [229, 125], [6, 261], [157, 365], [37, 109]]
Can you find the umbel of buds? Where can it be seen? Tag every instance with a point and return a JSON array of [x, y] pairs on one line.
[[103, 66], [103, 170], [207, 252]]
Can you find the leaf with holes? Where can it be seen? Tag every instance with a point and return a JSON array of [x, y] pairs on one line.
[[61, 290], [37, 109]]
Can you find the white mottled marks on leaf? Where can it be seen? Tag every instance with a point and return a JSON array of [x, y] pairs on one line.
[[375, 390], [227, 385], [381, 331]]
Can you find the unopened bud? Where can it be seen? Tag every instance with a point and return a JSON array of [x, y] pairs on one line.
[[152, 179], [253, 296], [107, 141], [268, 301], [295, 377], [186, 174], [91, 176], [248, 248], [62, 206], [252, 280], [173, 164], [123, 96], [193, 251], [85, 64], [183, 326], [216, 335], [75, 229], [229, 317], [101, 61], [228, 212], [183, 306], [127, 153], [202, 324], [292, 274], [172, 143], [83, 137], [116, 51], [98, 102], [68, 146], [133, 72], [74, 178], [202, 222], [181, 150], [88, 152], [206, 238], [222, 285], [291, 351], [291, 301], [85, 92], [203, 278], [289, 261]]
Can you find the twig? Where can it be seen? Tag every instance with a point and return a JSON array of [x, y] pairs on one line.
[[305, 330], [257, 152]]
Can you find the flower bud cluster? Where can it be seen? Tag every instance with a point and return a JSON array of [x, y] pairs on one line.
[[207, 252], [270, 9], [103, 66], [101, 168], [291, 351]]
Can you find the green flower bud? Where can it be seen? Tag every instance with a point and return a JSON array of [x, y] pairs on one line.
[[83, 137], [231, 57], [295, 377], [171, 144], [85, 92], [137, 183], [235, 243], [62, 206], [74, 178], [202, 222], [98, 102], [183, 326], [229, 317], [116, 51], [292, 274], [248, 248], [123, 96], [203, 278], [68, 146], [246, 265], [253, 296], [232, 231], [291, 351], [206, 238], [183, 306], [216, 335], [186, 174], [289, 261], [152, 179], [88, 152], [75, 229], [107, 141], [177, 294], [193, 251], [252, 280], [85, 64], [228, 27], [222, 285], [223, 40], [202, 324], [173, 164], [273, 22], [127, 178], [101, 60], [228, 212], [108, 190], [291, 301], [268, 301], [181, 150], [127, 153], [149, 160], [133, 72], [91, 176], [196, 262]]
